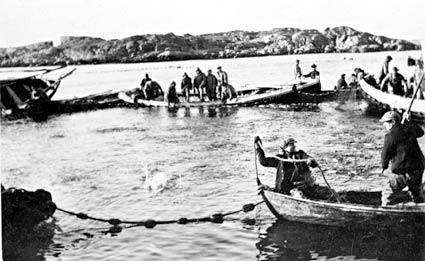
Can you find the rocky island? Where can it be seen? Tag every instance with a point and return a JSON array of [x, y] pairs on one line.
[[169, 47]]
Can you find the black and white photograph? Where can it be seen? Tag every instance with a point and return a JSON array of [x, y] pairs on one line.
[[212, 130]]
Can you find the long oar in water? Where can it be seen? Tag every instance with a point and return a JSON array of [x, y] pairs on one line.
[[294, 161]]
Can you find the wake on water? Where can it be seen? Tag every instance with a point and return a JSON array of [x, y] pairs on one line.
[[157, 182]]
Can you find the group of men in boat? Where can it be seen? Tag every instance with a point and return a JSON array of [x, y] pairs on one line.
[[392, 81], [203, 86], [401, 149]]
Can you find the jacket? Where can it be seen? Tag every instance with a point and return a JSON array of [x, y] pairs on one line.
[[288, 173], [402, 149]]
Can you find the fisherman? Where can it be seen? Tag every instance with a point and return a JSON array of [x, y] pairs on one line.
[[352, 81], [211, 86], [418, 79], [171, 96], [186, 86], [401, 148], [384, 71], [144, 80], [341, 83], [230, 93], [152, 90], [397, 84], [297, 70], [200, 84], [223, 81], [291, 175], [314, 73]]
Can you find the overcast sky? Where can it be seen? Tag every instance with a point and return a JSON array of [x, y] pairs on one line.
[[29, 21]]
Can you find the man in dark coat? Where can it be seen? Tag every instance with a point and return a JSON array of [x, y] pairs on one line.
[[200, 83], [186, 86], [341, 83], [171, 95], [296, 174], [211, 86], [401, 148], [314, 73]]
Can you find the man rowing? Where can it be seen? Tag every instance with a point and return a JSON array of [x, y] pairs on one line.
[[401, 148], [293, 170]]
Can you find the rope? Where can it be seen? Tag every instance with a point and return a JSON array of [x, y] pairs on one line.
[[150, 223]]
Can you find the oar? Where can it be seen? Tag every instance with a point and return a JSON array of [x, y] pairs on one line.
[[413, 98]]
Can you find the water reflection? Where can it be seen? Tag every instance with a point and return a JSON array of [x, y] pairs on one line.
[[286, 240], [211, 112], [32, 246]]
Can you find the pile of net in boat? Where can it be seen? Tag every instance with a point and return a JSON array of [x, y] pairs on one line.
[[23, 210]]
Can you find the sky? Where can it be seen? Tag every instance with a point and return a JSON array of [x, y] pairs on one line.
[[24, 22]]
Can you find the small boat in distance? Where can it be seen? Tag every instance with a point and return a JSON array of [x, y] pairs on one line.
[[250, 95]]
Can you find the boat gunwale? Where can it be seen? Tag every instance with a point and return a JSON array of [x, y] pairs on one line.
[[369, 90], [350, 207]]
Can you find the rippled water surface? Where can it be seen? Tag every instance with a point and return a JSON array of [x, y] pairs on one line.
[[203, 162]]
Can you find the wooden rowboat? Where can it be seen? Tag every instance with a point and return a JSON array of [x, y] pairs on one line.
[[379, 102], [24, 93], [258, 95], [342, 214]]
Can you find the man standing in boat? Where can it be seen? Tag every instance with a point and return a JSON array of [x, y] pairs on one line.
[[384, 71], [186, 86], [397, 84], [296, 174], [401, 148], [223, 81], [314, 73], [297, 70], [418, 79], [211, 86]]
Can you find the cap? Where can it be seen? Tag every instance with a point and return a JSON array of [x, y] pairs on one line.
[[390, 116], [389, 57], [313, 65], [395, 69], [287, 142], [219, 68]]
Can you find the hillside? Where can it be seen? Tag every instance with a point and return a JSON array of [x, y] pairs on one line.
[[168, 47]]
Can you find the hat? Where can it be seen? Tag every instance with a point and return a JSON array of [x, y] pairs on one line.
[[390, 116], [313, 66], [389, 57], [219, 68], [395, 69], [198, 70], [287, 142]]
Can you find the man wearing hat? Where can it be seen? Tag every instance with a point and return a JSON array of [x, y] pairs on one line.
[[397, 84], [289, 174], [401, 148], [313, 74]]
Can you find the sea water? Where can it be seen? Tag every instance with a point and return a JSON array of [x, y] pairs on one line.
[[202, 159]]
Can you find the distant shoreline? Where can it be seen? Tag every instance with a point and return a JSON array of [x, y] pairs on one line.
[[169, 47]]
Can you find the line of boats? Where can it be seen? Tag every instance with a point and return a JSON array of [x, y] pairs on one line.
[[29, 94]]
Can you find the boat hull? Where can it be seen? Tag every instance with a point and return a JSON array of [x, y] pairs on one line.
[[378, 102], [341, 214], [254, 96]]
